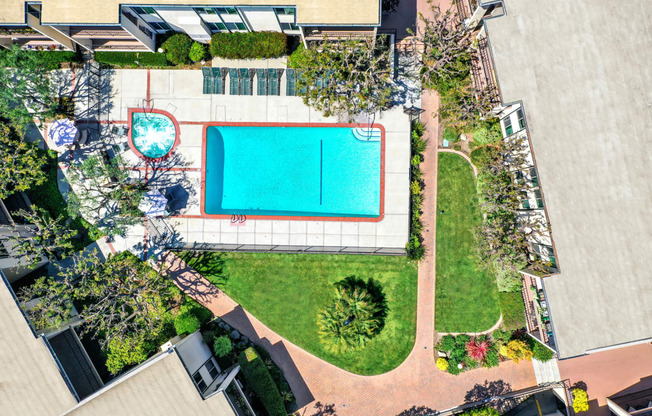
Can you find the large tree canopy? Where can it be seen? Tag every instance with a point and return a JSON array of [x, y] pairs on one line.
[[105, 194], [347, 77], [25, 90], [20, 162], [444, 49]]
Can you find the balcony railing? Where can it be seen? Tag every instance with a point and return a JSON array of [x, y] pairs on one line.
[[536, 311], [483, 73], [466, 8], [100, 33]]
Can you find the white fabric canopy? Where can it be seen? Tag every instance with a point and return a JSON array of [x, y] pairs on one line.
[[63, 132], [153, 204]]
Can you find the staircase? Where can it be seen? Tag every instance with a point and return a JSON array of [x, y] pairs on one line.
[[367, 134]]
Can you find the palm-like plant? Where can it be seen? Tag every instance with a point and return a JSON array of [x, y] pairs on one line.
[[353, 319], [477, 349]]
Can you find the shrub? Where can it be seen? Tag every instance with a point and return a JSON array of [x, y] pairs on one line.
[[580, 400], [453, 366], [222, 346], [123, 352], [354, 318], [541, 352], [483, 156], [487, 134], [477, 349], [516, 350], [446, 344], [298, 58], [186, 323], [483, 411], [492, 359], [197, 52], [501, 337], [177, 48], [249, 45], [451, 135], [442, 364], [132, 59], [261, 382]]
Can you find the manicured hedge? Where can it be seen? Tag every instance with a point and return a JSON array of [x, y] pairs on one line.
[[128, 59], [53, 59], [248, 45], [261, 382]]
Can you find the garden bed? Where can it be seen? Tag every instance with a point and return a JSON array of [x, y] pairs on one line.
[[287, 292], [466, 296]]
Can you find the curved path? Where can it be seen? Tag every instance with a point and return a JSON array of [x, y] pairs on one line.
[[414, 388], [468, 159]]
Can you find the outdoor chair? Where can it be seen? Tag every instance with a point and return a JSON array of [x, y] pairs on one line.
[[218, 81], [273, 81], [234, 82], [207, 87], [262, 81], [290, 83], [245, 82]]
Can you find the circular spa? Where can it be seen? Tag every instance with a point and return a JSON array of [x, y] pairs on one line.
[[153, 134]]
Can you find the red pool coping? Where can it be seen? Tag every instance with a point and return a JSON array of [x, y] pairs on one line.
[[294, 218], [177, 131]]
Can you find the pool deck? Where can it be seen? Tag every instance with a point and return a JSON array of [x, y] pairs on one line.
[[179, 92]]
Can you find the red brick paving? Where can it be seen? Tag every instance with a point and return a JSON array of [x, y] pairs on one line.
[[608, 372]]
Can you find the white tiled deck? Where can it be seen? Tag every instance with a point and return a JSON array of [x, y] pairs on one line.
[[180, 93]]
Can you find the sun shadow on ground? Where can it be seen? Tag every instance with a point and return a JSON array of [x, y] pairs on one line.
[[239, 320], [417, 411], [487, 390]]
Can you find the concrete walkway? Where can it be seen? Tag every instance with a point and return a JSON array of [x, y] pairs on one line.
[[321, 388]]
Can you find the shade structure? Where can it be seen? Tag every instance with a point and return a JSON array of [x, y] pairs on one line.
[[153, 204], [63, 132]]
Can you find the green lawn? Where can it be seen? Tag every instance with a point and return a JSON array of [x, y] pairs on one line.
[[466, 296], [286, 291], [511, 304]]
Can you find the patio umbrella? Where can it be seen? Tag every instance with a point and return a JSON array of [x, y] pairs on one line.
[[63, 132], [153, 204]]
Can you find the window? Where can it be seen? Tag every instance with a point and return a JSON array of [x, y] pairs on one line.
[[212, 370], [199, 381], [537, 194], [525, 204], [289, 26], [551, 256], [205, 10], [133, 19], [143, 10], [288, 11], [241, 26], [236, 26], [216, 27], [160, 25], [521, 118], [226, 10], [145, 31], [4, 254], [508, 126], [534, 177]]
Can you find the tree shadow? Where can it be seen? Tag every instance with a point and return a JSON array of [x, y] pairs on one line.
[[322, 409], [207, 263], [579, 385], [418, 411], [487, 390], [375, 290]]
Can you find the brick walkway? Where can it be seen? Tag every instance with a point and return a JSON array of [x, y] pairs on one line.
[[321, 387]]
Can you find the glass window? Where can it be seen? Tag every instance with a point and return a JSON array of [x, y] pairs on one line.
[[289, 26], [226, 10], [143, 10], [525, 204], [199, 381], [160, 25], [508, 125], [216, 27], [284, 11], [534, 177], [212, 370], [521, 118], [537, 194], [241, 26], [145, 31], [551, 256], [231, 26]]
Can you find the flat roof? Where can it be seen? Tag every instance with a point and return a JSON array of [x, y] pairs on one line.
[[582, 70], [161, 387], [30, 382], [321, 12]]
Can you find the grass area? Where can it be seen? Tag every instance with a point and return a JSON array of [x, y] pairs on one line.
[[48, 197], [466, 297], [286, 292], [513, 309]]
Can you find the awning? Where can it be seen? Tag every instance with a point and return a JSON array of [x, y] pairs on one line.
[[63, 132], [153, 204]]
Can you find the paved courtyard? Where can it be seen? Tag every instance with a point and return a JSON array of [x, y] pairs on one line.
[[179, 92]]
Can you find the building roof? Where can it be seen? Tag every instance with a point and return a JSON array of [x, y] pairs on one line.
[[582, 70], [30, 382], [159, 387], [335, 12]]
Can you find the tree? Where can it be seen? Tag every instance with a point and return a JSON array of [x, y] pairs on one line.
[[49, 237], [121, 298], [106, 193], [348, 76], [464, 108], [177, 48], [124, 351], [352, 320], [222, 346], [445, 57], [25, 91], [20, 162], [197, 52]]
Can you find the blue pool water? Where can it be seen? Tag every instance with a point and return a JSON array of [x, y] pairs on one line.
[[153, 134], [292, 171]]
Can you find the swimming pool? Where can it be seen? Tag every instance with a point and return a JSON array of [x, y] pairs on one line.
[[295, 171], [153, 133]]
